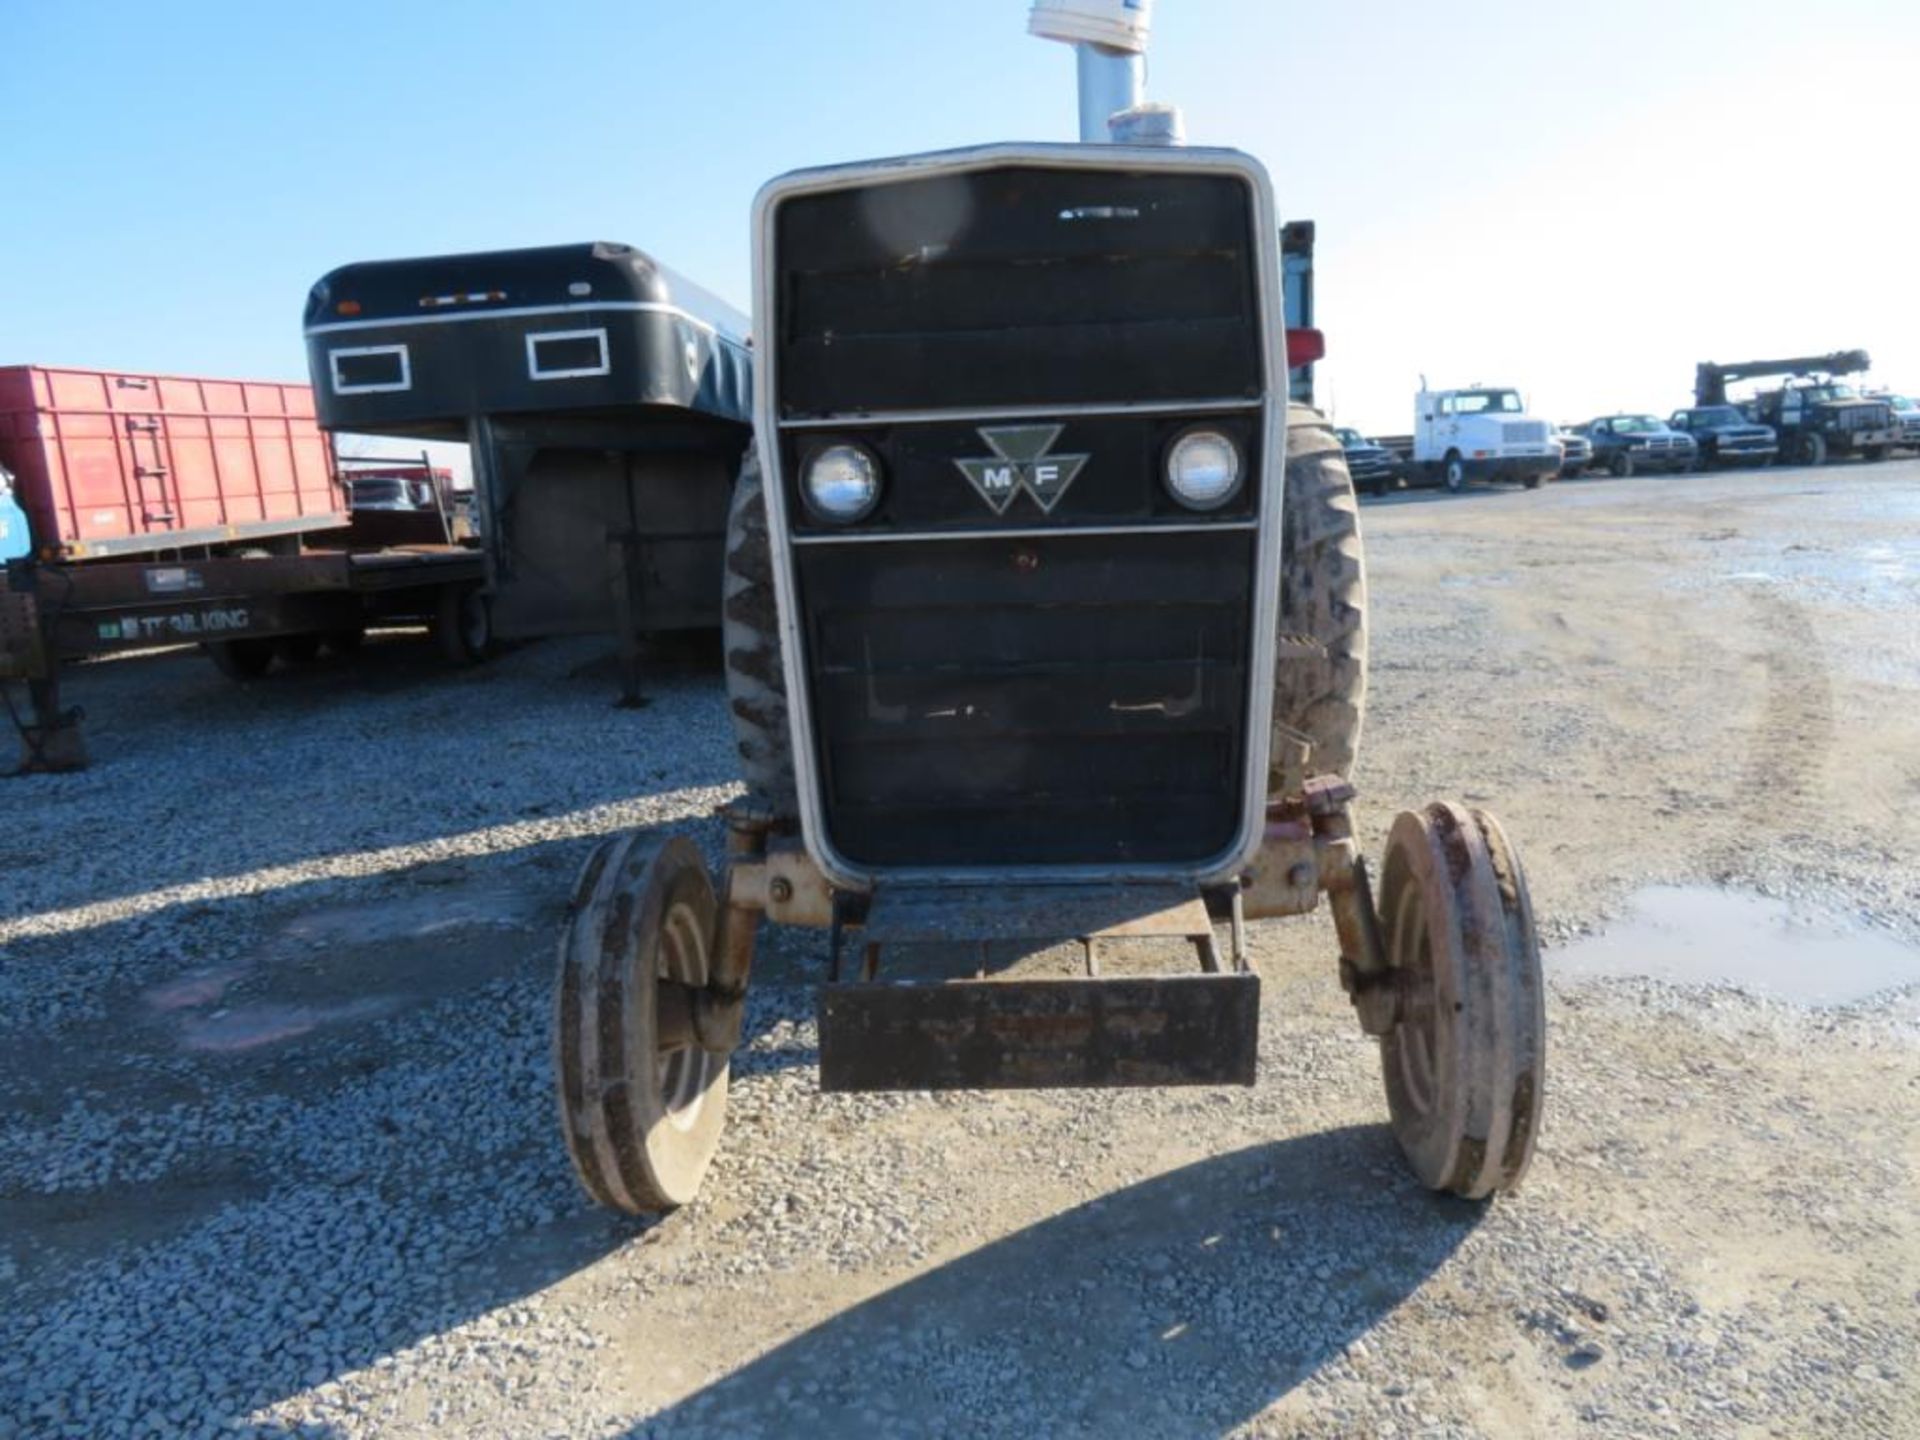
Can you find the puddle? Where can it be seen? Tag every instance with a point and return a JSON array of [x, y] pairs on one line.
[[195, 988], [247, 1027], [1698, 934], [415, 917]]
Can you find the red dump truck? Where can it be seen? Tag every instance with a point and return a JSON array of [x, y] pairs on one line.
[[165, 509]]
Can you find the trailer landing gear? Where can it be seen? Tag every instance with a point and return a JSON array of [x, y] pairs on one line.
[[50, 739]]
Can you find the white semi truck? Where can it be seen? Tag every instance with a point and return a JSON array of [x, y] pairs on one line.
[[1482, 432]]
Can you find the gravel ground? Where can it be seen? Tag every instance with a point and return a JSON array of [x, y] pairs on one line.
[[277, 1146]]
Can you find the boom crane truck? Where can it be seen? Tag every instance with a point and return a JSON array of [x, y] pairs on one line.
[[1815, 416]]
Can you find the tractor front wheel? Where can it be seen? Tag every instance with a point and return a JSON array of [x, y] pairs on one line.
[[642, 1102], [1465, 1060]]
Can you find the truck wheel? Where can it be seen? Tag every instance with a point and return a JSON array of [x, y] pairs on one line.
[[750, 635], [463, 625], [642, 1103], [1320, 688], [1456, 472], [240, 659], [1811, 449], [1465, 1063], [1874, 452], [1622, 465], [299, 649], [1532, 482]]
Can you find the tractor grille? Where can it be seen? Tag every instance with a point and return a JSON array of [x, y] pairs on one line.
[[1523, 432], [1040, 685], [1041, 701], [1017, 286]]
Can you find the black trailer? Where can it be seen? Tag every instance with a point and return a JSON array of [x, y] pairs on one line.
[[606, 401]]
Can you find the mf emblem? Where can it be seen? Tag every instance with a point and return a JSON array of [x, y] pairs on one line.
[[1021, 461]]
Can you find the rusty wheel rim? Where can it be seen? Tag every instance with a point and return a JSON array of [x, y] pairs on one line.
[[684, 1071], [1411, 954], [1464, 1063]]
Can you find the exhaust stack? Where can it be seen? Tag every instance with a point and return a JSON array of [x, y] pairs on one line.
[[1109, 38]]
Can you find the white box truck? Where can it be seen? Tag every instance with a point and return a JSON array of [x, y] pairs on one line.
[[1480, 433]]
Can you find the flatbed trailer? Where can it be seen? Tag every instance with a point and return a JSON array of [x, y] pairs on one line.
[[240, 608]]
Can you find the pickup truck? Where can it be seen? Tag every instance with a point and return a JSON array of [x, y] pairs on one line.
[[1906, 419], [1375, 469], [1632, 444], [1725, 436]]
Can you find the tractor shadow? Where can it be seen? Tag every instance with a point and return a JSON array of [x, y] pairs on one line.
[[1182, 1305]]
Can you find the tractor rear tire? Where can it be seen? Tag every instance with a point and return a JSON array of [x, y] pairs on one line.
[[1465, 1061], [1319, 695], [750, 635], [641, 1107]]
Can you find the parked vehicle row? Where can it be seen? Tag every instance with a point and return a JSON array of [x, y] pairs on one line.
[[1484, 433]]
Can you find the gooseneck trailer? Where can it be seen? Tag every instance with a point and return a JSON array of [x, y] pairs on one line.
[[166, 510], [605, 401]]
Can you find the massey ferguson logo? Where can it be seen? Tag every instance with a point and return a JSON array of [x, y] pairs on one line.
[[1020, 462]]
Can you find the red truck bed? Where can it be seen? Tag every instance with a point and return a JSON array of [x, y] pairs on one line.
[[116, 464]]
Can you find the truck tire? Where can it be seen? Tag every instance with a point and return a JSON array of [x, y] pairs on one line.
[[299, 650], [1453, 475], [1874, 453], [1320, 675], [1811, 449], [750, 636], [1622, 465], [348, 640], [463, 625], [241, 659]]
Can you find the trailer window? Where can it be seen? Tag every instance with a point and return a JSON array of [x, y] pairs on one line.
[[370, 369], [566, 354]]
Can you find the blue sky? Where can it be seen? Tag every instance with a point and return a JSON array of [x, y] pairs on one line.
[[1580, 204]]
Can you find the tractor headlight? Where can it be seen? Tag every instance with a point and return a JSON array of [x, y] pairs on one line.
[[1203, 469], [842, 483]]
